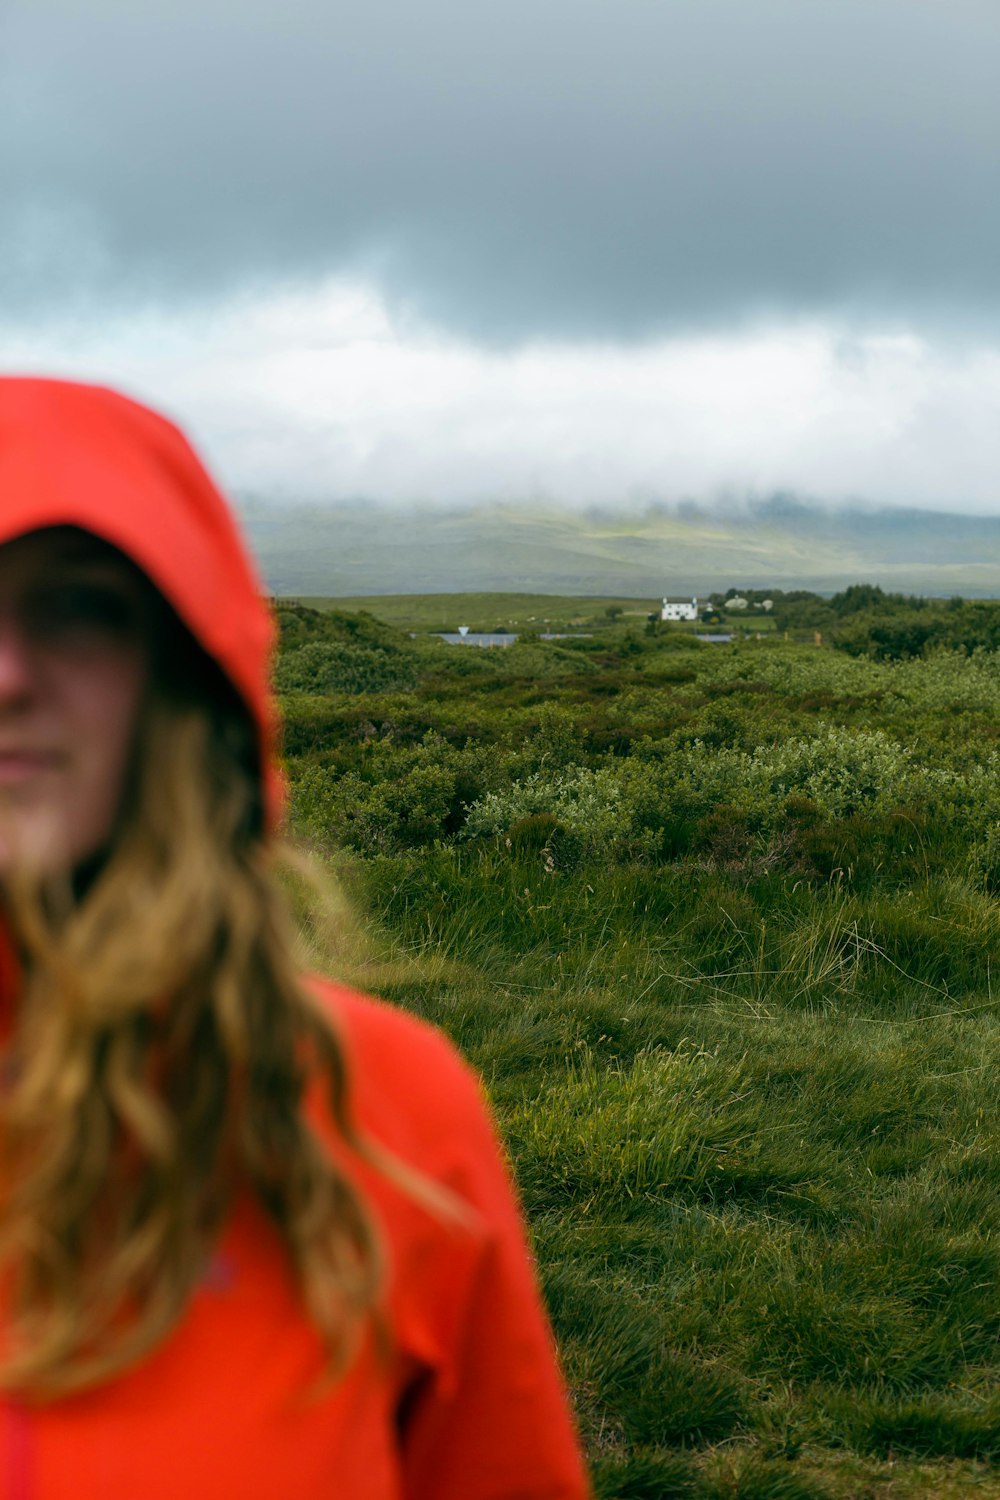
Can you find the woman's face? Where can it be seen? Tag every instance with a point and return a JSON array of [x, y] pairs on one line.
[[75, 661]]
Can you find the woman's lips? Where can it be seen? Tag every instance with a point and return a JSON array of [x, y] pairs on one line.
[[23, 765]]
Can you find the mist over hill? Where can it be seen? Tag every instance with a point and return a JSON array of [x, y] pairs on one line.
[[365, 548]]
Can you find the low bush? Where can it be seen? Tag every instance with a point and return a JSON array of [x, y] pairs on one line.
[[343, 667]]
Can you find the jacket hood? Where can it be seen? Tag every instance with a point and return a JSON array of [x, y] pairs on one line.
[[81, 455]]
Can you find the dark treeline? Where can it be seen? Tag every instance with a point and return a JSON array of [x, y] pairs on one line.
[[865, 620]]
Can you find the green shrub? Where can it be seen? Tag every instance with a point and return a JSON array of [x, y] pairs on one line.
[[409, 811], [984, 858], [342, 667], [588, 803]]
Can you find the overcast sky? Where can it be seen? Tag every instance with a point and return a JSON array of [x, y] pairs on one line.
[[575, 249]]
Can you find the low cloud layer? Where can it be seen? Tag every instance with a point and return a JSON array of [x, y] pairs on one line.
[[614, 252], [320, 393], [542, 169]]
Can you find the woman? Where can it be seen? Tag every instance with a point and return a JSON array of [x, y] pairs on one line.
[[256, 1236]]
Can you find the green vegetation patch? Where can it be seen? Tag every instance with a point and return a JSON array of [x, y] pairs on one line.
[[719, 926]]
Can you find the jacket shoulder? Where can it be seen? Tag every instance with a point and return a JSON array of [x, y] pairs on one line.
[[486, 1415], [409, 1085]]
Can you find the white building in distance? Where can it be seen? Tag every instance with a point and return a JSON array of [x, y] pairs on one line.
[[675, 608]]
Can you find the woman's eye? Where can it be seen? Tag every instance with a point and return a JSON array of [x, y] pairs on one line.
[[81, 609]]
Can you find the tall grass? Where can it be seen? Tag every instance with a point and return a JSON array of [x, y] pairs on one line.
[[757, 1149]]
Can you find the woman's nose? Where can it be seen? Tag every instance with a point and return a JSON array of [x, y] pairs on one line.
[[17, 671]]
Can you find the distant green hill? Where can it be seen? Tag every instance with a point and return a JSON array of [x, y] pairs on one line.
[[362, 549]]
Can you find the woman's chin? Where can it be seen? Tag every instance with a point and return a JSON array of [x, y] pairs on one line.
[[31, 849]]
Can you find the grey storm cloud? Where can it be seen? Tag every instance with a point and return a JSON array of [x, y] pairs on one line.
[[601, 168]]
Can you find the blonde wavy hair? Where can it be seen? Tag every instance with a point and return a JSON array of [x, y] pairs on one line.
[[159, 1063]]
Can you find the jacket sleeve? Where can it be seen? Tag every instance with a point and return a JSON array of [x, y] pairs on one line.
[[493, 1423]]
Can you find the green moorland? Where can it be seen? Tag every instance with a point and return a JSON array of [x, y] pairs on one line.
[[425, 613], [428, 613], [719, 925]]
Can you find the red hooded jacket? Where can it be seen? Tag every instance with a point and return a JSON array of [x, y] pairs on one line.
[[470, 1406]]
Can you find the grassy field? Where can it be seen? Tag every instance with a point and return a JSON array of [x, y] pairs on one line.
[[515, 612], [428, 613], [719, 927]]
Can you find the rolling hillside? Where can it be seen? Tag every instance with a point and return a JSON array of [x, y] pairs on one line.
[[362, 549]]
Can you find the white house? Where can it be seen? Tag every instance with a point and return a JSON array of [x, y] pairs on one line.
[[675, 608]]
